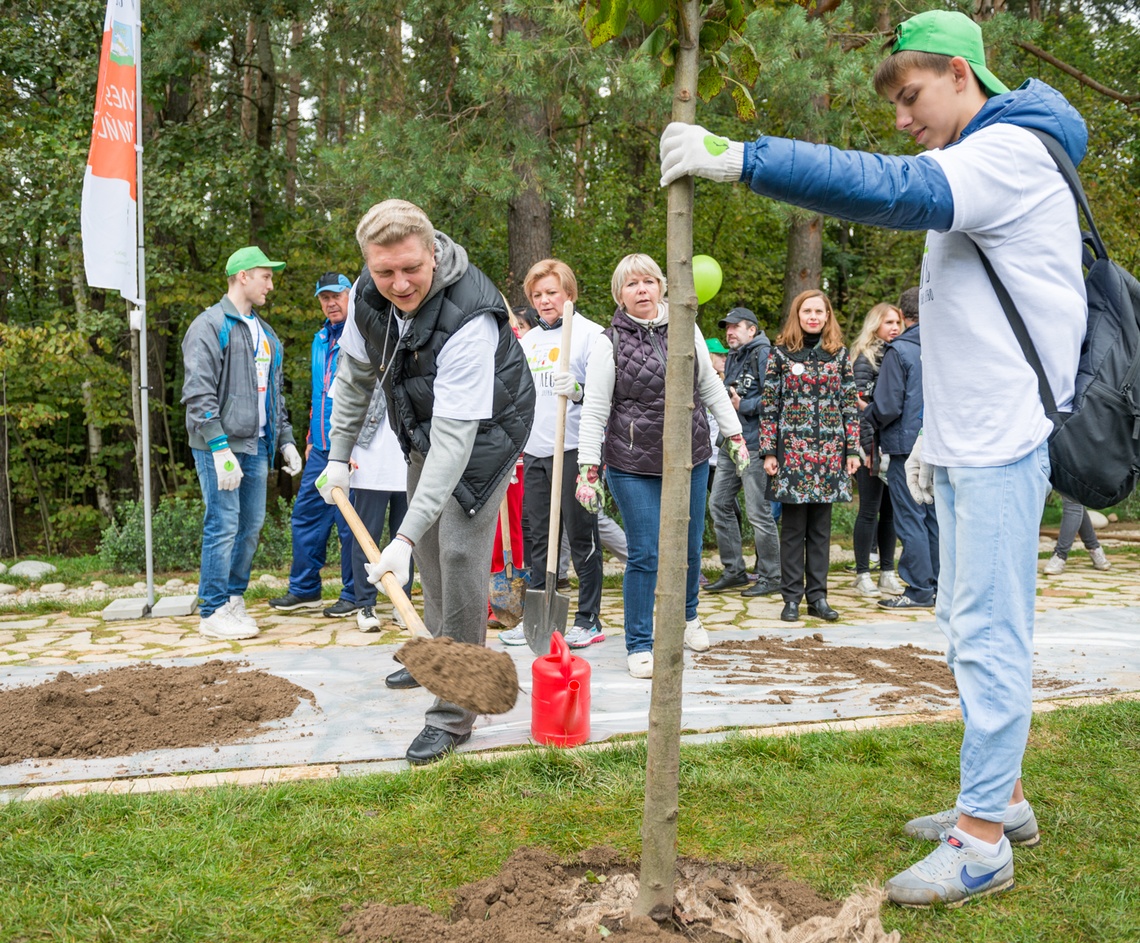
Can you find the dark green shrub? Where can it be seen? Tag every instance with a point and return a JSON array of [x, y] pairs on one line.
[[176, 529]]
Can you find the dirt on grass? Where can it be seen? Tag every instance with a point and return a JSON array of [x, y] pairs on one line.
[[535, 898], [143, 707]]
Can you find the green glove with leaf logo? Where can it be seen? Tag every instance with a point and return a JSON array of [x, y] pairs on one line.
[[688, 149]]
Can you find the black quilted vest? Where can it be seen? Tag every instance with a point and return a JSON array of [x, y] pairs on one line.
[[408, 376], [636, 427]]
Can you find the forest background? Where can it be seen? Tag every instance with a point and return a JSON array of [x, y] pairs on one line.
[[279, 122]]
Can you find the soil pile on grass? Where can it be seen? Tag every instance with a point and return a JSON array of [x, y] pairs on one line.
[[537, 899], [912, 673], [143, 707]]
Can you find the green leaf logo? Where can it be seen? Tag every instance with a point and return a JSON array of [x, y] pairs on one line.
[[323, 480], [715, 146], [228, 465]]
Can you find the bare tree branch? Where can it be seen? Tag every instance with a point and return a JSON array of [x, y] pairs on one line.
[[1078, 75]]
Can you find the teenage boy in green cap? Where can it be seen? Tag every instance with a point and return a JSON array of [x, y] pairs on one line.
[[236, 417], [985, 183]]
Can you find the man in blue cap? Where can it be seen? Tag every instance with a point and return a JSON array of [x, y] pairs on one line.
[[236, 418], [313, 519]]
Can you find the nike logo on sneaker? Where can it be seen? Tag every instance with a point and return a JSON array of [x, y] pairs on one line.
[[974, 882]]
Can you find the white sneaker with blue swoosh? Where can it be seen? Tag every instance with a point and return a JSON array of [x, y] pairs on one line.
[[952, 874]]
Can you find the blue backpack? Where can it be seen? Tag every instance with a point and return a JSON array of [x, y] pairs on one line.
[[1095, 449]]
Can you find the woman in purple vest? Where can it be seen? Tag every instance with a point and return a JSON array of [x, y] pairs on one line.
[[809, 437], [625, 402]]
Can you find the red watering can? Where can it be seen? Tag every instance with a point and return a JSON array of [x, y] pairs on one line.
[[560, 696]]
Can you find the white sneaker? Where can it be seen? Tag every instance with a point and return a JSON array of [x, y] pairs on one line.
[[223, 624], [1099, 560], [640, 664], [696, 638], [239, 612], [367, 620], [1054, 566], [398, 619], [890, 583], [865, 586]]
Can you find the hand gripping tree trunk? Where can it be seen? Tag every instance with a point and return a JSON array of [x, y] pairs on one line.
[[662, 771]]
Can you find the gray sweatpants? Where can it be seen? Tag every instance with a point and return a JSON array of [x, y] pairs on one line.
[[454, 559]]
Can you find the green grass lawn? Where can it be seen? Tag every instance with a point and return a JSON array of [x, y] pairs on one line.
[[277, 864]]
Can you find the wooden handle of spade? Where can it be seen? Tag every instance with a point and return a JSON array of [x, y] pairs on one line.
[[553, 535], [391, 585]]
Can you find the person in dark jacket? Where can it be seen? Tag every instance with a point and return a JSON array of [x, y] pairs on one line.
[[744, 380], [876, 515], [896, 416], [809, 437], [435, 330]]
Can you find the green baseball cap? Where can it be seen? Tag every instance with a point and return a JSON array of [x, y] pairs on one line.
[[250, 257], [715, 346], [948, 33]]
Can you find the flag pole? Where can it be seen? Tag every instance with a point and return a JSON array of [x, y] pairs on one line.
[[140, 316]]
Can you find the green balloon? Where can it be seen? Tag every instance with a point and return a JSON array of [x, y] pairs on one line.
[[707, 277]]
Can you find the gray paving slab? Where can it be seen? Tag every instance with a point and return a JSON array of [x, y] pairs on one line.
[[125, 608], [358, 720]]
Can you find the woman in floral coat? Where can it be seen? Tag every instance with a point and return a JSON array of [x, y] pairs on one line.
[[809, 437]]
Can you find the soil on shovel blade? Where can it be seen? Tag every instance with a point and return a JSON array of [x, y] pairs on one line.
[[143, 707], [535, 898]]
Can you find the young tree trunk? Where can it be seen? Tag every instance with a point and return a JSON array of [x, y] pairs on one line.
[[662, 770], [7, 531], [804, 266]]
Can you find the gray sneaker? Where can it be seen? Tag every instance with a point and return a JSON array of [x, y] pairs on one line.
[[952, 874], [1023, 832], [515, 636], [1099, 560]]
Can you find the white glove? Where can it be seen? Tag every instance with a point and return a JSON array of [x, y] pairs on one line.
[[690, 149], [228, 470], [292, 460], [566, 385], [919, 475], [396, 558], [884, 464], [335, 475]]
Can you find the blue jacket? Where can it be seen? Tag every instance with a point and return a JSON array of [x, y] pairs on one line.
[[744, 368], [326, 347], [897, 192], [896, 411]]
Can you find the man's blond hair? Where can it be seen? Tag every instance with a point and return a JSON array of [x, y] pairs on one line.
[[394, 221]]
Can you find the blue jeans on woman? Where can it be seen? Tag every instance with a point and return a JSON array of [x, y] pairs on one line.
[[988, 520], [638, 498], [232, 526]]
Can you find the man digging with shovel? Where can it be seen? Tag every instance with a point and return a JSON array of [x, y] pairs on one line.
[[434, 329]]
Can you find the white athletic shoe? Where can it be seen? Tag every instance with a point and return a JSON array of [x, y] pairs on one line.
[[1099, 560], [1054, 566], [640, 664], [696, 637], [890, 583], [367, 620], [223, 624], [398, 619], [239, 612], [865, 586]]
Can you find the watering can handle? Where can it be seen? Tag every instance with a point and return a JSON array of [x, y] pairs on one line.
[[559, 647]]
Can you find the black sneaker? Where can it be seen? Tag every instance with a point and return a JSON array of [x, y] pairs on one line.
[[342, 607], [289, 602], [904, 602]]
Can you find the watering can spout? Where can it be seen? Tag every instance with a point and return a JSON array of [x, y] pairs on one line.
[[573, 706]]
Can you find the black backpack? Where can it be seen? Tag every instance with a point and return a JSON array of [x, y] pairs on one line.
[[1095, 449]]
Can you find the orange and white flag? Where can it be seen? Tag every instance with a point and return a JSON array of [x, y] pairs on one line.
[[110, 195]]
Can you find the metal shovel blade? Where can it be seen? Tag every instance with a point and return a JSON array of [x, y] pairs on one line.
[[545, 613]]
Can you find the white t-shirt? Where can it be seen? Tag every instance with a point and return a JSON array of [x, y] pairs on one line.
[[381, 466], [542, 348], [262, 355], [465, 368], [981, 405]]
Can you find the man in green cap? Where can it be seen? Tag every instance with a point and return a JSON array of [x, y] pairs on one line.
[[986, 187], [236, 417]]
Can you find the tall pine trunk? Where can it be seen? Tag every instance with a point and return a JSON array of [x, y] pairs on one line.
[[662, 770]]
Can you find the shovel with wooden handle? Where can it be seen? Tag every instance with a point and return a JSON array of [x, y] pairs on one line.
[[546, 609], [472, 676]]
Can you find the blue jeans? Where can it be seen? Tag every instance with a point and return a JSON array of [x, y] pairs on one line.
[[312, 521], [917, 527], [638, 498], [988, 520], [231, 527]]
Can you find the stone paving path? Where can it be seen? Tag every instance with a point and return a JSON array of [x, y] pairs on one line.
[[62, 639]]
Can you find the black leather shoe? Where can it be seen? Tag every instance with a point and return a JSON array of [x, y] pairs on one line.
[[791, 612], [760, 588], [401, 679], [433, 744], [821, 610], [726, 582]]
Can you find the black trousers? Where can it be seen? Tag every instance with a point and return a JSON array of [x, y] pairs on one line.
[[805, 551], [581, 530]]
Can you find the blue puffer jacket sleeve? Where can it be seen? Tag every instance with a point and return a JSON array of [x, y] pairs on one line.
[[894, 192]]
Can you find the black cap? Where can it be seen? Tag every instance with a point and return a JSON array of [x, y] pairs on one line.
[[736, 315]]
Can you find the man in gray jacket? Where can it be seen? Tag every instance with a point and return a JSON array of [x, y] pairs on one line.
[[434, 330], [237, 420]]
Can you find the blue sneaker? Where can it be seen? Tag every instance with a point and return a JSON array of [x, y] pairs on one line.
[[1021, 832], [579, 637], [952, 874], [515, 636]]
